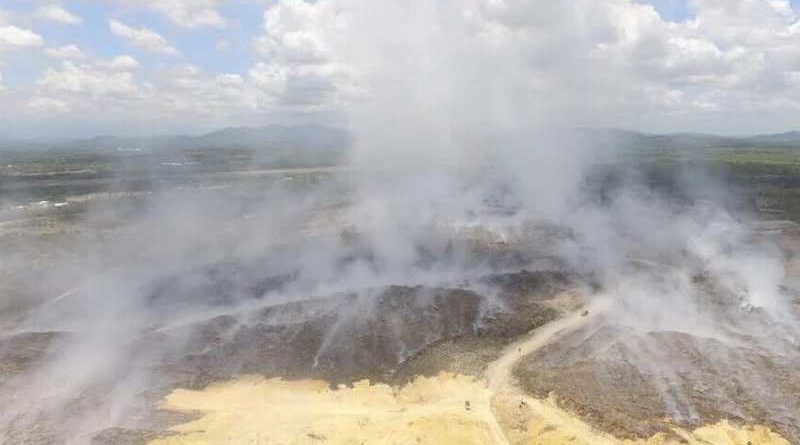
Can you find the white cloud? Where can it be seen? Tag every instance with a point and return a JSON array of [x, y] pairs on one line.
[[65, 52], [298, 87], [295, 31], [2, 87], [304, 70], [14, 37], [123, 62], [111, 89], [186, 13], [729, 54], [94, 89], [189, 91], [229, 80], [57, 13], [47, 106], [142, 38], [269, 78], [112, 79], [611, 62]]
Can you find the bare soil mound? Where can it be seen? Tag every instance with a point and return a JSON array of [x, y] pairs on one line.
[[385, 334], [603, 375]]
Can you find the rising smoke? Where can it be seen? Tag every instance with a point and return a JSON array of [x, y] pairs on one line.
[[452, 144]]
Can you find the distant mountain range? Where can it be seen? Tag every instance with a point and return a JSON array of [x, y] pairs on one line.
[[302, 137], [315, 137], [694, 140]]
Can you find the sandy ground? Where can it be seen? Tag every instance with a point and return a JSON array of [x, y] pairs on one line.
[[257, 411], [542, 422], [429, 410]]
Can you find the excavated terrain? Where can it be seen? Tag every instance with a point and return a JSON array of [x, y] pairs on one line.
[[423, 349], [596, 373], [635, 384], [396, 334]]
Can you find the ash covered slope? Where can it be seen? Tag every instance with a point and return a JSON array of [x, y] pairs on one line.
[[111, 360], [380, 334], [665, 379], [727, 361]]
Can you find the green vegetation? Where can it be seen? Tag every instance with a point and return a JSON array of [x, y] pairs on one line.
[[770, 176]]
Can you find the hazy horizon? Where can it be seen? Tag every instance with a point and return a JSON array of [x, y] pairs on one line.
[[75, 137]]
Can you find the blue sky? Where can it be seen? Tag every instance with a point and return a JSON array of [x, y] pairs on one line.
[[197, 45], [676, 10], [83, 66], [679, 10]]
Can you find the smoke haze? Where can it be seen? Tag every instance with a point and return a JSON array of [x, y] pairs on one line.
[[458, 168]]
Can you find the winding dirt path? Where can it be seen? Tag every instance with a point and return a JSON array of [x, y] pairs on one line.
[[499, 371]]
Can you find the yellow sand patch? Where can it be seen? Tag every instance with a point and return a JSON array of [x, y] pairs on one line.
[[724, 433], [253, 410], [542, 422], [258, 411]]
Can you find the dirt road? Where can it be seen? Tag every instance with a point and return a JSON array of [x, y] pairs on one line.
[[497, 372]]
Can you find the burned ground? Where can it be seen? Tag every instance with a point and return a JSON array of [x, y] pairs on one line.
[[389, 334], [599, 373]]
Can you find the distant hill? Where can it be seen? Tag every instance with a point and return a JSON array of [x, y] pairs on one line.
[[318, 139], [306, 136], [788, 138], [299, 137], [689, 140]]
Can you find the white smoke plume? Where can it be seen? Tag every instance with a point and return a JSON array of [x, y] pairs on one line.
[[453, 138]]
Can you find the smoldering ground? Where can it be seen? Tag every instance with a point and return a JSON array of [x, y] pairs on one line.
[[457, 177], [337, 281]]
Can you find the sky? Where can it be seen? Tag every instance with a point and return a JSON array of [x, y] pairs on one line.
[[86, 67]]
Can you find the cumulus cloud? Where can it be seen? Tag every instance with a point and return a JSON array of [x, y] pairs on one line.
[[296, 31], [229, 79], [615, 62], [65, 52], [114, 79], [302, 67], [124, 62], [47, 106], [606, 63], [185, 13], [113, 89], [57, 13], [189, 91], [732, 55], [143, 38], [13, 37]]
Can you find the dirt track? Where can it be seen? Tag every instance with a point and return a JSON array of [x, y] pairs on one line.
[[498, 372]]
